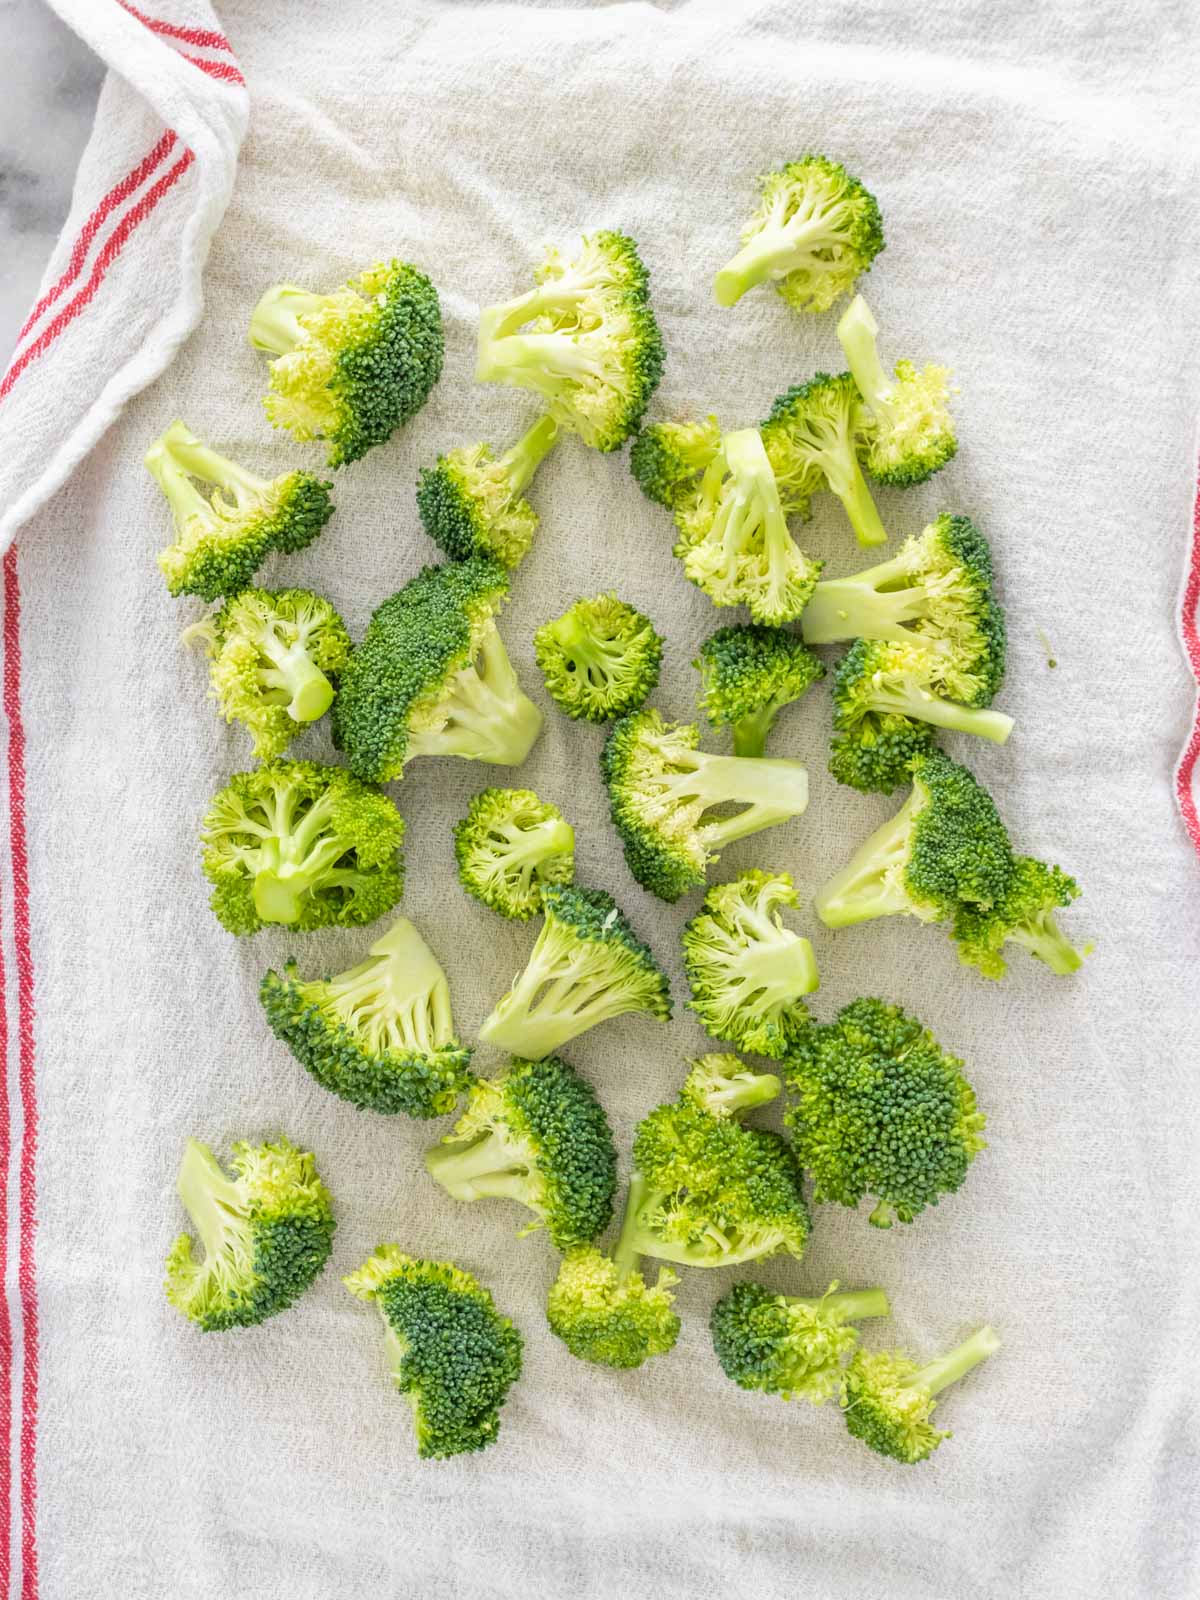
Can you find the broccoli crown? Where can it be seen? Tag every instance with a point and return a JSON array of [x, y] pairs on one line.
[[266, 1233], [275, 655], [508, 846], [588, 965], [600, 659], [812, 438], [888, 1399], [452, 1353], [748, 673], [881, 1109], [795, 1348], [352, 366], [667, 458], [590, 346], [301, 844], [746, 971], [222, 538], [1024, 916], [876, 753], [380, 1035], [815, 230], [538, 1135], [907, 433], [661, 787], [471, 501], [608, 1316]]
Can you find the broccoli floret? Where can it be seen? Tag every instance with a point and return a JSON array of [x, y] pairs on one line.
[[301, 844], [667, 457], [746, 971], [352, 366], [223, 538], [661, 789], [273, 654], [812, 438], [588, 965], [910, 433], [876, 756], [450, 1350], [944, 848], [471, 502], [600, 658], [508, 846], [538, 1135], [1025, 915], [786, 1345], [266, 1233], [432, 678], [590, 346], [816, 229], [748, 673], [380, 1035], [881, 1109], [889, 1400]]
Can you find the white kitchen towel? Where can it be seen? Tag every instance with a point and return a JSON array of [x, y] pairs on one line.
[[1037, 171]]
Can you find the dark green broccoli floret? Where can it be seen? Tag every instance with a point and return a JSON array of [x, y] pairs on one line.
[[667, 457], [877, 754], [585, 339], [785, 1345], [662, 789], [1024, 916], [812, 438], [908, 433], [223, 538], [889, 1399], [450, 1350], [881, 1109], [508, 846], [432, 678], [748, 673], [352, 366], [301, 844], [471, 501], [380, 1035], [815, 230], [599, 659], [587, 966], [266, 1233], [538, 1135]]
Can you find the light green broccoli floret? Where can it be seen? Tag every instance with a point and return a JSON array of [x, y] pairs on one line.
[[788, 1345], [667, 458], [508, 846], [889, 1399], [748, 673], [908, 434], [599, 659], [1025, 917], [471, 502], [811, 438]]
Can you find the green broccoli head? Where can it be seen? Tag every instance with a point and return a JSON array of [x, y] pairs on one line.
[[222, 538], [380, 1035], [451, 1352], [266, 1234], [908, 432], [352, 366], [876, 754], [812, 439], [471, 502], [600, 658], [889, 1399], [303, 845], [608, 1314], [785, 1345], [748, 673], [584, 338], [538, 1135], [587, 966], [1024, 916], [667, 458], [432, 678], [815, 230], [508, 846], [662, 789]]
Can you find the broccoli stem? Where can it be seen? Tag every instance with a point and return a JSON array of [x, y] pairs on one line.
[[294, 673], [871, 884], [398, 997], [770, 790], [1044, 939], [777, 971], [750, 733], [851, 1305], [526, 456], [861, 608], [772, 253], [488, 716], [210, 1198], [927, 707], [627, 1255], [275, 321], [524, 849], [478, 1168], [856, 331], [947, 1369], [743, 1093], [846, 480], [542, 361]]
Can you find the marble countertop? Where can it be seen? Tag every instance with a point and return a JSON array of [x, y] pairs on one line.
[[49, 83]]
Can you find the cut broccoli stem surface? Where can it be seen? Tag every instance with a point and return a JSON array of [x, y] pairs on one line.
[[871, 884], [488, 717], [275, 322]]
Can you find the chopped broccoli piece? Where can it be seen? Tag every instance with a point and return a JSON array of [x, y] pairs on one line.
[[667, 457], [591, 347], [471, 501], [910, 433], [538, 1135], [432, 678], [816, 229], [266, 1233], [301, 844], [746, 971], [1025, 915], [273, 654], [223, 538], [881, 1109], [889, 1399], [876, 755], [661, 789], [811, 440], [352, 366], [380, 1035], [588, 965], [451, 1352], [748, 673], [509, 845], [786, 1345], [599, 659]]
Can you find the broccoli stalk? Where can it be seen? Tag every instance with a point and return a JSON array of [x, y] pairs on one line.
[[911, 433], [899, 695], [487, 715], [812, 431], [889, 1399]]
